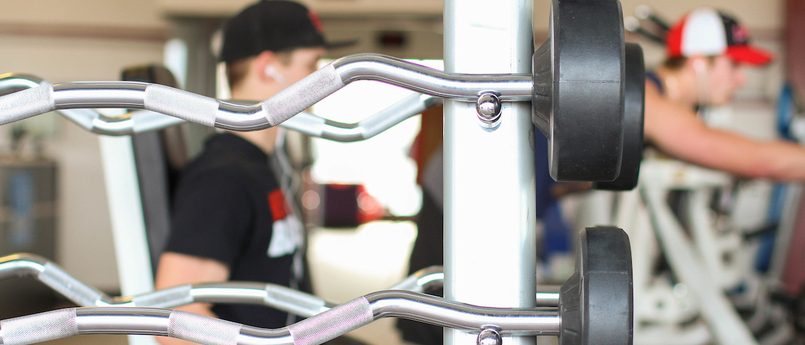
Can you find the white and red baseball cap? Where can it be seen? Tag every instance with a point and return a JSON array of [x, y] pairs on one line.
[[708, 32]]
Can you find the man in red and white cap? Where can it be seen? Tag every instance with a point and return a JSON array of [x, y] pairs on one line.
[[706, 53]]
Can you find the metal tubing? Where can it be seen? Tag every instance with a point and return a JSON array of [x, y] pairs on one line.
[[489, 241], [346, 132], [144, 120], [422, 280], [464, 317], [12, 82], [508, 87]]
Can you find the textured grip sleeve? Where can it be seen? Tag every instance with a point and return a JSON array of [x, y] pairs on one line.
[[26, 103], [68, 286], [39, 327], [182, 104], [302, 94], [333, 323], [168, 298], [202, 329], [293, 301]]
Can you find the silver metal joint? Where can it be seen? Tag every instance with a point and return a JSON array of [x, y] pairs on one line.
[[488, 108], [489, 336]]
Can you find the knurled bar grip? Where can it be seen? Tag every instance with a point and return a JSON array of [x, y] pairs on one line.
[[339, 321], [69, 287], [167, 298], [294, 301], [202, 329], [39, 327], [302, 95], [182, 104], [26, 103]]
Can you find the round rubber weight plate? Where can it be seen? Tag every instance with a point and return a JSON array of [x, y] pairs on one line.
[[596, 302], [578, 89], [633, 113]]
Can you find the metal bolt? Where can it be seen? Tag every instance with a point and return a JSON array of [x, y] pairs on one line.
[[488, 108], [489, 336]]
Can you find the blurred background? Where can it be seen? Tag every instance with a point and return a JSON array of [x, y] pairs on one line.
[[94, 40]]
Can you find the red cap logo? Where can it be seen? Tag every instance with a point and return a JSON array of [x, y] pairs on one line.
[[739, 35], [316, 22]]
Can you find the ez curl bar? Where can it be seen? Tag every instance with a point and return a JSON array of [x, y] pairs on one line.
[[601, 284], [144, 120], [270, 295]]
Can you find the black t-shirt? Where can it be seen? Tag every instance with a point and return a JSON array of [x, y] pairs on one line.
[[228, 207]]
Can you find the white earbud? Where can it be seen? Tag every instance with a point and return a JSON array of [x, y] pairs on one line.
[[273, 73]]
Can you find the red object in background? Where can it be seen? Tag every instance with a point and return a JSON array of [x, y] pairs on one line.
[[369, 209], [347, 206]]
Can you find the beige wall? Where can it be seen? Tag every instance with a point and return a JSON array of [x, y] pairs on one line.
[[84, 242], [137, 13]]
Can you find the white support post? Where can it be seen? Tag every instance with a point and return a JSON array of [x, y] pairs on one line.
[[128, 224], [490, 241]]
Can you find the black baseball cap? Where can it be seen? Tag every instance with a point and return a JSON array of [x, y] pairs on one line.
[[275, 25]]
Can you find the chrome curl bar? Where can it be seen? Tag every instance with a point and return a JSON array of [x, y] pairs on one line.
[[314, 330], [271, 295], [144, 120], [127, 316], [268, 113]]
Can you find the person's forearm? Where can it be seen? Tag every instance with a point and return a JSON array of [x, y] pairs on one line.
[[784, 161]]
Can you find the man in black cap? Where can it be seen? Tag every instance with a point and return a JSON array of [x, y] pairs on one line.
[[230, 218]]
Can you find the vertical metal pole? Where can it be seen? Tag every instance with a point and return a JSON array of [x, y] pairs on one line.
[[490, 241]]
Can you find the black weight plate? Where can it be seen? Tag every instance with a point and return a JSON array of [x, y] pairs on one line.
[[633, 112], [596, 302], [578, 89]]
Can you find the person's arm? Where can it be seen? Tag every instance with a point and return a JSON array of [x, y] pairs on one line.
[[179, 269], [679, 133], [210, 222]]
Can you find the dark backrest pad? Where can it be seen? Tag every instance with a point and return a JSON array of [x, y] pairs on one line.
[[159, 156]]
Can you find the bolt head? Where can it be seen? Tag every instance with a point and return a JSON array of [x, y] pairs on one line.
[[489, 337], [488, 105]]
